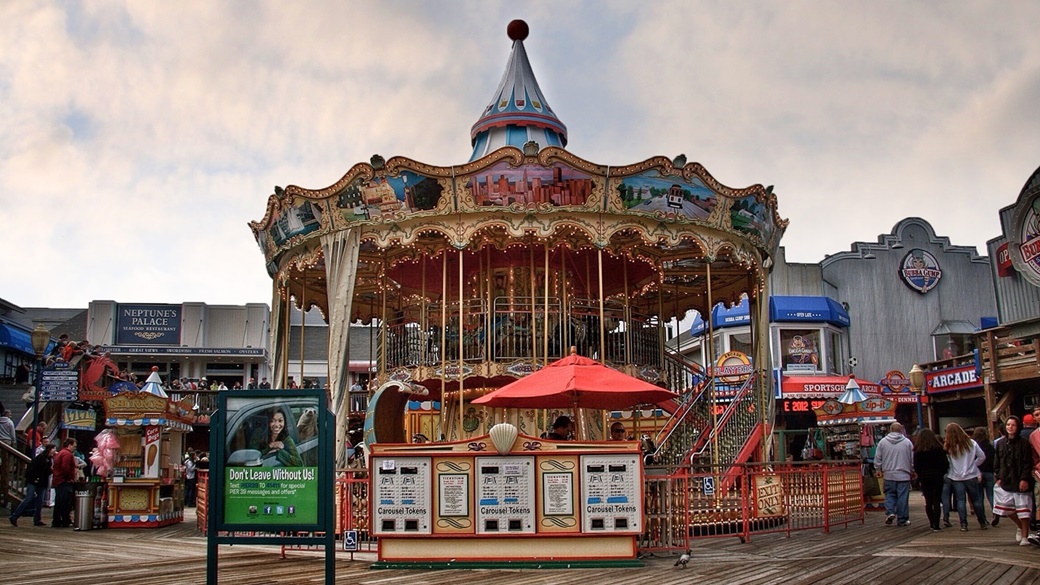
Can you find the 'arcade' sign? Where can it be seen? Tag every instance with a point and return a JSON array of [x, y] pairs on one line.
[[951, 379]]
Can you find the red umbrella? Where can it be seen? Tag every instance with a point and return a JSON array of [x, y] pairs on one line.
[[576, 382]]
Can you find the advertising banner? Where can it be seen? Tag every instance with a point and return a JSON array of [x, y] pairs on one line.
[[270, 470]]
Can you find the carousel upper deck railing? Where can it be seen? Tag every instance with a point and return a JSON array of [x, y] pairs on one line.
[[518, 328]]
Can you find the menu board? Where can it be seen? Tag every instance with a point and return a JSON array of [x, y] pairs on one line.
[[401, 490], [505, 495], [611, 493]]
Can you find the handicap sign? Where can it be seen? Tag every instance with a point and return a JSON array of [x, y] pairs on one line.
[[350, 540], [708, 485]]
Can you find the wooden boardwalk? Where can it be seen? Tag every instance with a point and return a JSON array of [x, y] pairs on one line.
[[867, 553]]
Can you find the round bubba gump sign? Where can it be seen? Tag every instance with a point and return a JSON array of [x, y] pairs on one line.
[[920, 270], [1024, 236]]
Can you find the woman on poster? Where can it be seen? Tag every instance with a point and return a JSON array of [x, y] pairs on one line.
[[277, 441]]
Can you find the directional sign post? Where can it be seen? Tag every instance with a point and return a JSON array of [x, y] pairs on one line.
[[59, 383]]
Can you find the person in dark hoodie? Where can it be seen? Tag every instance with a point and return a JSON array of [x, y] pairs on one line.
[[930, 465], [894, 458], [36, 475]]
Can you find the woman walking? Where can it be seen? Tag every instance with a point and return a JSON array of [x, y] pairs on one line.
[[930, 465], [1013, 493], [981, 436], [965, 457]]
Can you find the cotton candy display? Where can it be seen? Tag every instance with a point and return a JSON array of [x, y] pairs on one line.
[[104, 455]]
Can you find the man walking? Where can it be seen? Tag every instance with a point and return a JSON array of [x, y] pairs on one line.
[[36, 476], [894, 459], [64, 468]]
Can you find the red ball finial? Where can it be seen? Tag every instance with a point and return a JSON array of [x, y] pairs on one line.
[[517, 30], [155, 368]]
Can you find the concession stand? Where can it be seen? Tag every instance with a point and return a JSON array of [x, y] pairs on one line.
[[851, 432], [508, 497], [146, 484]]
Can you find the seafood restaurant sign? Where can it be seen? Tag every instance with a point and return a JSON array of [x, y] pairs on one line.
[[148, 325]]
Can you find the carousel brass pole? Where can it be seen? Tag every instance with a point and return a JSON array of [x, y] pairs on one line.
[[711, 368], [288, 331], [628, 313], [545, 313], [602, 312], [565, 305], [461, 348], [382, 317], [303, 319], [531, 333], [444, 338]]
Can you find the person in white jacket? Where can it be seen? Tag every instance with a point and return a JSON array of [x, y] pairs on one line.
[[965, 457]]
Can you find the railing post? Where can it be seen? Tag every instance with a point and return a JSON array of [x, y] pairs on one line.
[[826, 498]]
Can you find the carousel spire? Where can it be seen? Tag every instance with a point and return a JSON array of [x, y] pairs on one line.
[[518, 112]]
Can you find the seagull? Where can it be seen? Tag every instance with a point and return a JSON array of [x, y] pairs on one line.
[[683, 559]]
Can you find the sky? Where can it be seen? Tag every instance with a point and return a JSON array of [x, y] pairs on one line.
[[138, 138]]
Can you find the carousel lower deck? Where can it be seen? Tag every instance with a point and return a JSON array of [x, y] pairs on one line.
[[867, 553]]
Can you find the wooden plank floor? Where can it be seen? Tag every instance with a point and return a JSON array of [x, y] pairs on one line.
[[859, 554]]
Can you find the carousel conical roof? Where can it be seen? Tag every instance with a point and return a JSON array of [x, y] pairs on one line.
[[518, 112]]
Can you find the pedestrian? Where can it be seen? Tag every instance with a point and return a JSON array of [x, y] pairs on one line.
[[36, 475], [64, 468], [1034, 443], [34, 437], [562, 429], [190, 482], [1013, 479], [930, 465], [9, 438], [965, 458], [894, 458], [981, 436]]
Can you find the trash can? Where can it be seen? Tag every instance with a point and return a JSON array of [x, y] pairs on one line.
[[84, 510]]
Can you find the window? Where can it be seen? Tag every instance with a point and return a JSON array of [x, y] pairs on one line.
[[950, 345], [834, 353], [800, 349]]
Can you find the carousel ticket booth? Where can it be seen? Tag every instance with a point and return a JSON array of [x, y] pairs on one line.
[[146, 485], [507, 498]]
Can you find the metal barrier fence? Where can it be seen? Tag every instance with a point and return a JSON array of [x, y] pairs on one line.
[[757, 498], [682, 506]]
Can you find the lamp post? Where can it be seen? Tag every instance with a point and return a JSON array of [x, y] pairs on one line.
[[917, 385], [40, 339]]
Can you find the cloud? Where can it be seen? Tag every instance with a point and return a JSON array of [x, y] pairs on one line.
[[140, 137]]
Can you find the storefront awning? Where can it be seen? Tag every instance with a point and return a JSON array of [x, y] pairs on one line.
[[857, 420], [145, 422], [721, 317], [823, 386], [787, 309], [16, 339]]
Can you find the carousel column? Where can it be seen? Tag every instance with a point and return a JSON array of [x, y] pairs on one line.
[[341, 257], [277, 329]]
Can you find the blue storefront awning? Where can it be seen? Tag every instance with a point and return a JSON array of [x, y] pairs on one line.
[[16, 339], [786, 309], [721, 317]]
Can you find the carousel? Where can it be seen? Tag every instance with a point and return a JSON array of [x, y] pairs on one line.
[[478, 274]]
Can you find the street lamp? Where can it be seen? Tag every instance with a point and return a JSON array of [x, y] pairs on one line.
[[917, 385], [40, 339]]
